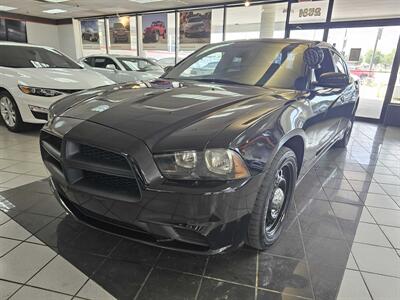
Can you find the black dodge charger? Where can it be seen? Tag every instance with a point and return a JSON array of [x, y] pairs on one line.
[[207, 157]]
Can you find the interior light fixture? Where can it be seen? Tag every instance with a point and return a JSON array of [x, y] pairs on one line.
[[247, 3], [54, 11], [6, 8]]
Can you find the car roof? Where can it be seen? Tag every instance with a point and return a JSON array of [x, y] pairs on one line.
[[280, 40], [5, 43], [116, 56]]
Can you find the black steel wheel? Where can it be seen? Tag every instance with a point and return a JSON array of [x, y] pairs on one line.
[[342, 143], [273, 200]]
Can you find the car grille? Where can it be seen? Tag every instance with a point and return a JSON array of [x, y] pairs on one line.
[[68, 91], [96, 154], [89, 169]]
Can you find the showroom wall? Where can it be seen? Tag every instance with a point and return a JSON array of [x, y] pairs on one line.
[[39, 31], [60, 37]]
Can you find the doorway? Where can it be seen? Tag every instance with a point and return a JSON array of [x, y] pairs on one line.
[[369, 52]]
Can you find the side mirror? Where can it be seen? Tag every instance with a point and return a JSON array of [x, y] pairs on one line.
[[111, 67], [333, 80], [168, 69]]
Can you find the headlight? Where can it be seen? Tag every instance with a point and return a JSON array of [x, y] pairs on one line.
[[39, 91], [212, 164]]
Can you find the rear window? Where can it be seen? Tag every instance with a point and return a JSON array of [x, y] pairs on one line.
[[34, 57]]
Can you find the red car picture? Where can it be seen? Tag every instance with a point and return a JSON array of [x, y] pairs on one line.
[[154, 32]]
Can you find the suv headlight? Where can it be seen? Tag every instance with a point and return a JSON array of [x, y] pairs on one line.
[[39, 91], [212, 164]]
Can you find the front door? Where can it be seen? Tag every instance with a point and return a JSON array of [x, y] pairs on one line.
[[369, 52]]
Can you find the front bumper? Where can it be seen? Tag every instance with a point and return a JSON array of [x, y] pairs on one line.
[[204, 218], [27, 103]]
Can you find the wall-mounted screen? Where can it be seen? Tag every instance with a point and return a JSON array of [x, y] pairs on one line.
[[16, 30]]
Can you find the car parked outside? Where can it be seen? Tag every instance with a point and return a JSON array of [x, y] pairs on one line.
[[34, 77], [207, 161], [120, 68]]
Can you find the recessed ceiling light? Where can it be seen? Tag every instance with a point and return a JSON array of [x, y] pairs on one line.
[[6, 8], [54, 11], [56, 1]]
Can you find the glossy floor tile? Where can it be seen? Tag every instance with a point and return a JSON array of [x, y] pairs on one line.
[[341, 238]]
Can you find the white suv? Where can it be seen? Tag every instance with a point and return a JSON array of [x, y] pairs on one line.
[[34, 77]]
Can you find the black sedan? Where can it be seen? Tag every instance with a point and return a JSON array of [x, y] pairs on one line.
[[207, 157]]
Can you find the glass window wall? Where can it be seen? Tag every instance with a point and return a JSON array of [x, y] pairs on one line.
[[345, 10], [369, 53], [314, 11], [197, 28], [157, 37], [121, 35], [93, 37], [258, 21]]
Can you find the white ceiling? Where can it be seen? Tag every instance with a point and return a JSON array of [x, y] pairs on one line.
[[86, 8]]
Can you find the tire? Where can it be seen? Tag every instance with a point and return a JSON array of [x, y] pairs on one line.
[[342, 143], [10, 114], [273, 199], [156, 37]]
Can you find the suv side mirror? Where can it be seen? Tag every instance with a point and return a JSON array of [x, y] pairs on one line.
[[111, 67], [333, 80]]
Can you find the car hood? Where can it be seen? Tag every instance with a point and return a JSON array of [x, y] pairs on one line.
[[167, 115], [74, 79]]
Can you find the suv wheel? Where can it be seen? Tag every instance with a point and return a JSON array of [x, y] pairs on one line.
[[273, 200]]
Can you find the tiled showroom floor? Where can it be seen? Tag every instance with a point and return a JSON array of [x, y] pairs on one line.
[[342, 238]]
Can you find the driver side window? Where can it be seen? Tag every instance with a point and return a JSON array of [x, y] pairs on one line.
[[102, 62]]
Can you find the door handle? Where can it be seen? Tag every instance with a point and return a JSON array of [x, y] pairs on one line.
[[341, 99]]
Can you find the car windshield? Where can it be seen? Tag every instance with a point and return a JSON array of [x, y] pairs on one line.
[[261, 63], [34, 57], [138, 64]]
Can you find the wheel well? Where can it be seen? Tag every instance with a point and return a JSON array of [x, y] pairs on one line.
[[296, 143]]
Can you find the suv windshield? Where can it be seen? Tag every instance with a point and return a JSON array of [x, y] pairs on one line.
[[137, 64], [261, 63], [34, 57]]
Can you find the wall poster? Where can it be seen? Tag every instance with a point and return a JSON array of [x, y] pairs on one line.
[[120, 32], [194, 28], [90, 34], [155, 35]]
